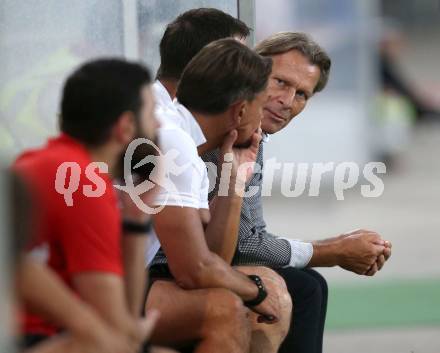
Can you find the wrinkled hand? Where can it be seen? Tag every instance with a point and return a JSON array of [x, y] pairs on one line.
[[381, 259], [243, 159], [363, 252]]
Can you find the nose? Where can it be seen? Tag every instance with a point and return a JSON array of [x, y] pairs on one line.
[[286, 99]]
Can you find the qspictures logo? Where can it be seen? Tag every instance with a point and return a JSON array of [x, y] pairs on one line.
[[68, 176], [166, 169]]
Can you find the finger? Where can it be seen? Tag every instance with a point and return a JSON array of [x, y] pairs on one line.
[[375, 238], [263, 319], [388, 244], [229, 141], [255, 144], [378, 249], [373, 269], [387, 253], [380, 262], [146, 326]]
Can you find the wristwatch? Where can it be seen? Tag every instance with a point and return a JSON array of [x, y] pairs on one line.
[[262, 294]]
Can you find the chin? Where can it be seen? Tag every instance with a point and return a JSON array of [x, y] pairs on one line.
[[271, 128], [243, 144]]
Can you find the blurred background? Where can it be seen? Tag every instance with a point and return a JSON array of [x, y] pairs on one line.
[[382, 104]]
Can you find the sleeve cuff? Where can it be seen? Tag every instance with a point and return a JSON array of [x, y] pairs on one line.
[[301, 253]]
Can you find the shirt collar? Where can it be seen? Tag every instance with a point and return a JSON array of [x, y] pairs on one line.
[[191, 126], [265, 137], [161, 94]]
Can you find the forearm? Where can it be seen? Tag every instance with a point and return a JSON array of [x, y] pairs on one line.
[[325, 253], [133, 250], [36, 283], [216, 273], [223, 228]]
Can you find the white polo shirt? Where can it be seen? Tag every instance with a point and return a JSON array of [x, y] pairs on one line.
[[161, 95], [186, 181], [176, 113]]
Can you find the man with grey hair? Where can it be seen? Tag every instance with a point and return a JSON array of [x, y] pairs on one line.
[[300, 69]]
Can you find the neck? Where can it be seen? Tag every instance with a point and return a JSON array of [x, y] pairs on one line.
[[170, 85], [213, 129], [108, 154]]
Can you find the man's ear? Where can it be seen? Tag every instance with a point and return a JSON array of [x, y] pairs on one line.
[[238, 110], [124, 130]]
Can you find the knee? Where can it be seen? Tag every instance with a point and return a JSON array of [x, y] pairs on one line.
[[266, 274], [228, 319], [319, 283], [277, 287], [323, 284], [286, 306], [225, 306]]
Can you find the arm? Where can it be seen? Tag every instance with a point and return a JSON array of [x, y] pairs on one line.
[[133, 252], [360, 251], [105, 292], [94, 261], [224, 225], [257, 246], [194, 266], [133, 249], [35, 283], [180, 232]]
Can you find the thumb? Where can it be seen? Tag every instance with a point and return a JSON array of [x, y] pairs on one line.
[[378, 249], [256, 139], [375, 239], [146, 325], [229, 141]]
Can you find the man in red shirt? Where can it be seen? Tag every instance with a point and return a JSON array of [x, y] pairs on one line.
[[106, 104]]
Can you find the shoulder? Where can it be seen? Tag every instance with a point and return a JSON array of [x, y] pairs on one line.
[[174, 138]]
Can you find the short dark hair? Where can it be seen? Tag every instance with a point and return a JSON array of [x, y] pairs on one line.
[[189, 33], [283, 42], [223, 72], [96, 94]]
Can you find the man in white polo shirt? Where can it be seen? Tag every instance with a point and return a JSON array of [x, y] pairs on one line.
[[201, 297]]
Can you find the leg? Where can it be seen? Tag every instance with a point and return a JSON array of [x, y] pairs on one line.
[[324, 289], [268, 338], [309, 295], [214, 319]]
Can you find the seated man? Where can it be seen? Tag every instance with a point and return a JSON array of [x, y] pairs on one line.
[[36, 287], [300, 69], [106, 104], [203, 299]]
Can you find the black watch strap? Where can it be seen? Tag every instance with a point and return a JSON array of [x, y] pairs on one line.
[[262, 294], [133, 228]]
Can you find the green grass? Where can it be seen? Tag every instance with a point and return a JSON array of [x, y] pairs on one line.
[[396, 303]]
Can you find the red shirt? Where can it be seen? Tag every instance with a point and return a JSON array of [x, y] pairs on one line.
[[83, 237]]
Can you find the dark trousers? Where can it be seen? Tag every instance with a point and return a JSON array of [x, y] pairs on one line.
[[309, 293]]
